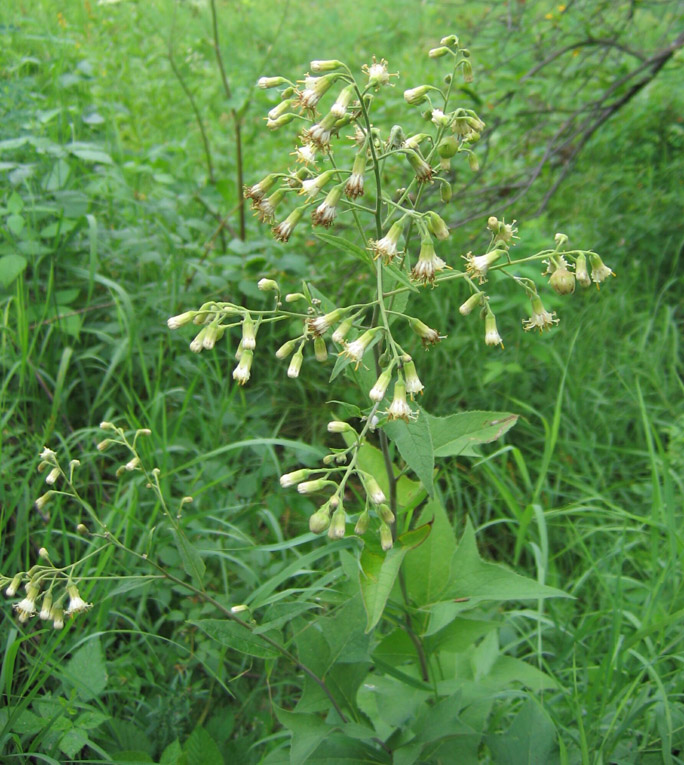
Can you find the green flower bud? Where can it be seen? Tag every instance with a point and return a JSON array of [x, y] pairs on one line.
[[437, 226], [362, 523], [338, 524], [562, 281], [438, 52], [386, 540]]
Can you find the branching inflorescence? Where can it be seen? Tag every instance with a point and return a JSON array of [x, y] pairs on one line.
[[329, 178]]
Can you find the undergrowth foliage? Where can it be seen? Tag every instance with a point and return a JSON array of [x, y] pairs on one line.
[[417, 620]]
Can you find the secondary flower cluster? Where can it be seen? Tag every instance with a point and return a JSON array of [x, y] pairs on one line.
[[331, 516], [41, 602]]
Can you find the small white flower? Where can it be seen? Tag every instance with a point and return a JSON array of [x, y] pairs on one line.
[[399, 408], [386, 248], [52, 476], [306, 154], [541, 319], [492, 336], [48, 454], [429, 263], [478, 265], [599, 270], [76, 602], [242, 371], [26, 608]]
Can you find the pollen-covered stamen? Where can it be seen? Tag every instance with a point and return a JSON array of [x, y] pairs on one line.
[[306, 154], [540, 319], [478, 265], [319, 325], [427, 335], [259, 190], [284, 229], [599, 270], [356, 349], [354, 185], [325, 213], [429, 263], [421, 168], [386, 248], [399, 408], [265, 208]]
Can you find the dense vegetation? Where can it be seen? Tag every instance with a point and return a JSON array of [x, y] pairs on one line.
[[121, 206]]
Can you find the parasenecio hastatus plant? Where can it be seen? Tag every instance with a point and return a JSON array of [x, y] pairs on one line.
[[344, 158], [339, 177]]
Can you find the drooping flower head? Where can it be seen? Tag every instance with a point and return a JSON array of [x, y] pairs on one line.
[[540, 319], [358, 347], [478, 265], [284, 229], [386, 248], [429, 263], [399, 408], [492, 336], [354, 186], [326, 212]]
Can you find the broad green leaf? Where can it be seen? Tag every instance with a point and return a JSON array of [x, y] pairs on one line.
[[477, 580], [232, 635], [131, 757], [460, 433], [529, 741], [442, 721], [427, 567], [57, 177], [90, 152], [459, 635], [193, 565], [72, 742], [379, 572], [15, 223], [308, 731], [86, 670], [201, 749], [507, 670], [414, 442], [10, 267], [173, 755], [342, 244]]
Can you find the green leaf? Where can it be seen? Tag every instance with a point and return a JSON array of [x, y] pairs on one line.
[[193, 565], [10, 268], [308, 731], [57, 177], [459, 433], [72, 742], [90, 152], [475, 580], [507, 670], [132, 757], [529, 741], [239, 638], [15, 223], [414, 442], [173, 755], [427, 567], [86, 670], [342, 244], [201, 749], [379, 572]]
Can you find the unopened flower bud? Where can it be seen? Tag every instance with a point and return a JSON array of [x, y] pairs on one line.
[[448, 147], [377, 392], [329, 65], [362, 523], [103, 426], [338, 524], [57, 616], [473, 162], [385, 513], [427, 335], [82, 528], [445, 192], [417, 95], [181, 319], [43, 553], [437, 226], [242, 371], [281, 121], [337, 426], [320, 520], [295, 364], [13, 586], [286, 349], [270, 82], [449, 40], [467, 71], [43, 500], [267, 285], [375, 493], [320, 349], [52, 476], [248, 334], [279, 109], [581, 272], [295, 477], [310, 487], [472, 302], [438, 52], [46, 607], [197, 343], [562, 281], [293, 297], [386, 541], [342, 331]]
